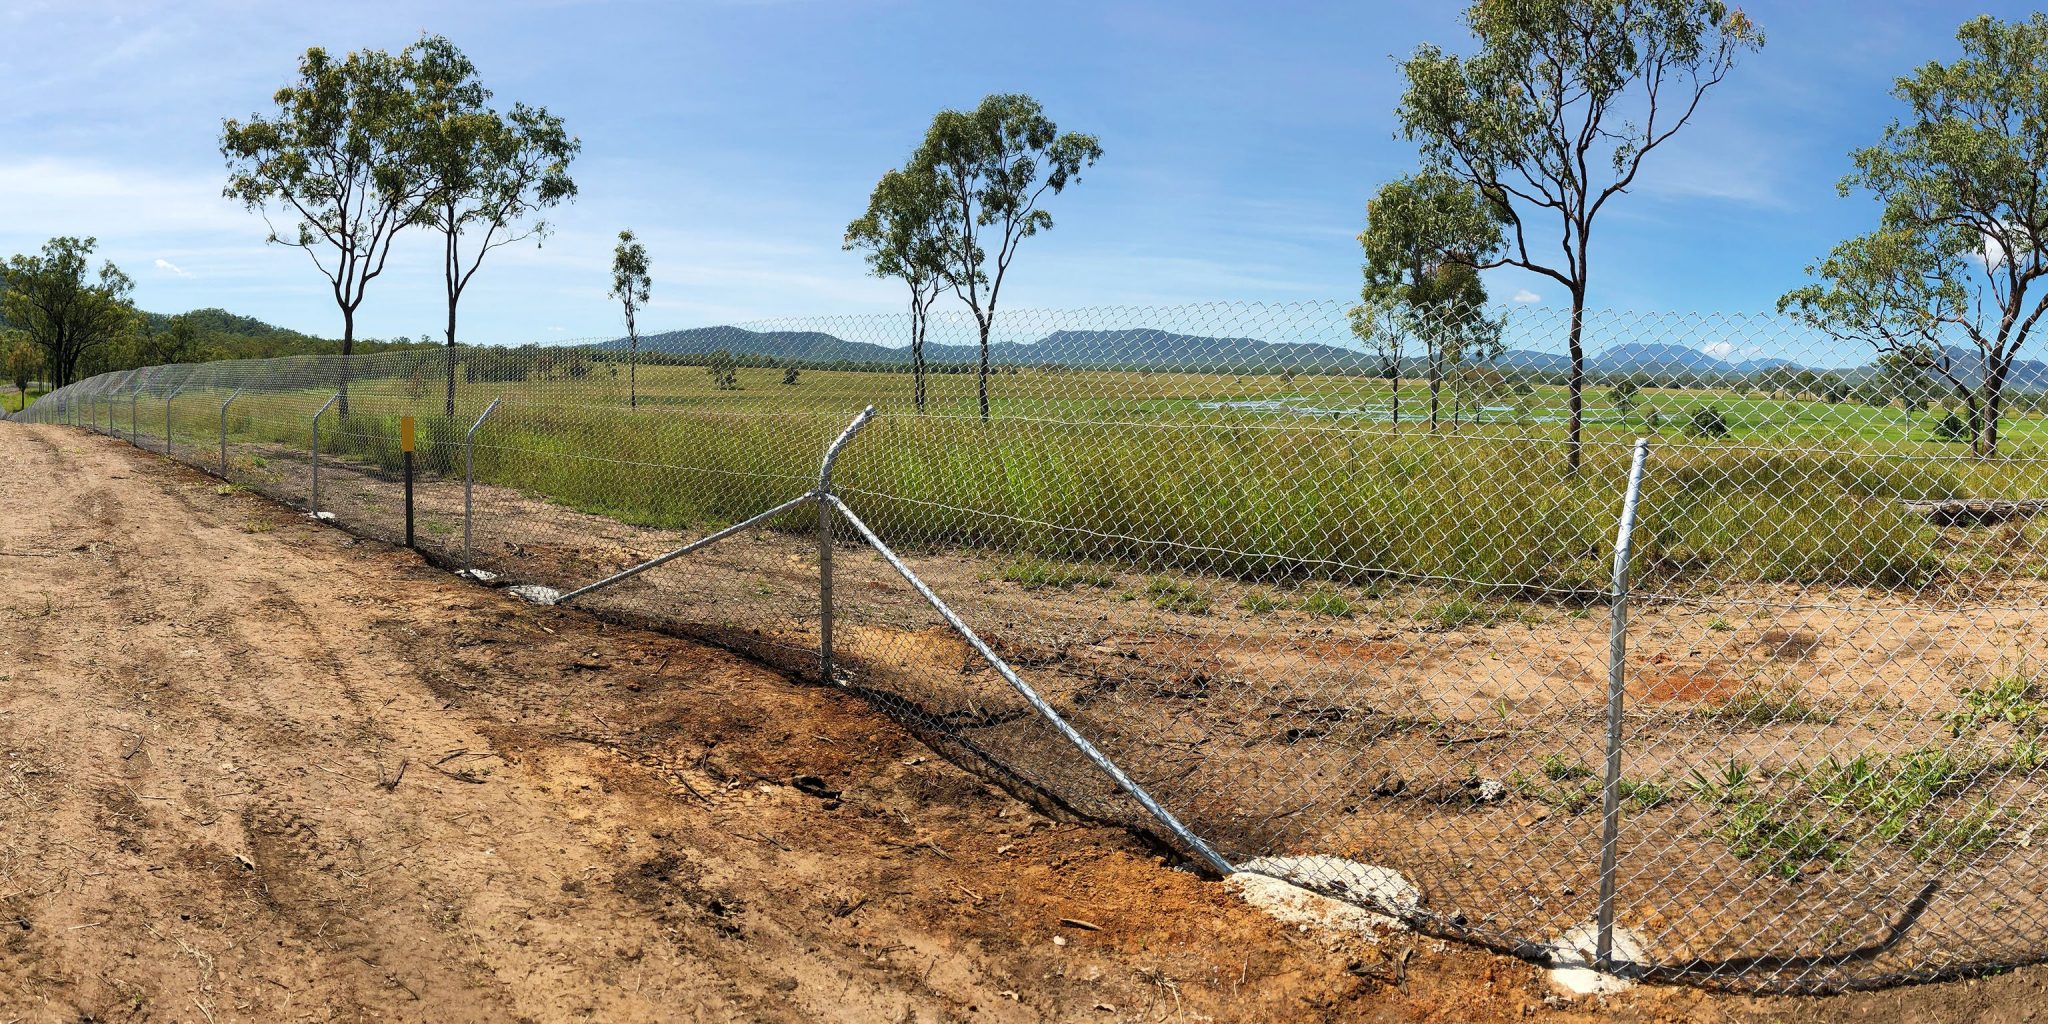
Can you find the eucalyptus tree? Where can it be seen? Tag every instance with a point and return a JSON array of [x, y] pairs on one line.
[[905, 235], [340, 157], [1553, 116], [1423, 235], [1961, 244], [69, 312], [21, 360], [994, 165], [491, 171], [632, 286]]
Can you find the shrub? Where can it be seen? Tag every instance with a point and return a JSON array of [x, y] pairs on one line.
[[1707, 421]]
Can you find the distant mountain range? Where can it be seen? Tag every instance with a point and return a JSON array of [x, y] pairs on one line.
[[1150, 348]]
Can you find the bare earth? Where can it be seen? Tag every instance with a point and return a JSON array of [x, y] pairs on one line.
[[255, 769]]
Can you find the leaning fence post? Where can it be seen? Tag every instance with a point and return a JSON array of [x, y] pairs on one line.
[[825, 541], [469, 482], [1617, 678], [315, 510], [224, 432]]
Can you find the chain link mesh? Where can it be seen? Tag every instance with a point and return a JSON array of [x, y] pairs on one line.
[[1339, 604]]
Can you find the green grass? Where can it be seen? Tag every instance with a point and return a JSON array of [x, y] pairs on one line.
[[1326, 602], [1769, 704], [12, 401], [1779, 837], [1033, 573], [1097, 467], [2013, 698], [1559, 768], [1259, 601], [1458, 612], [1174, 595]]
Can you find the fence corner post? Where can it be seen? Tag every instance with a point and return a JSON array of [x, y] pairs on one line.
[[1617, 679], [824, 494]]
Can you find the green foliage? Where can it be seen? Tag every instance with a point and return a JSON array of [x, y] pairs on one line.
[[1032, 573], [1707, 421], [1458, 611], [1781, 836], [1174, 595], [992, 166], [724, 370], [633, 287], [1643, 796], [66, 311], [489, 170], [1769, 704], [1423, 235], [906, 233], [1957, 248], [1951, 428], [1559, 768], [341, 157], [1622, 392], [2013, 698], [1326, 601], [1554, 114], [1258, 601]]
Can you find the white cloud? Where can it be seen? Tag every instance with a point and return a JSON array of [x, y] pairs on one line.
[[1525, 296], [1731, 351], [171, 268]]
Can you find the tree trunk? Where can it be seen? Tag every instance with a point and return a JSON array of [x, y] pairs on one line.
[[1397, 394], [981, 380], [1436, 381], [633, 370], [451, 354], [1995, 371], [917, 322], [1577, 382], [348, 348]]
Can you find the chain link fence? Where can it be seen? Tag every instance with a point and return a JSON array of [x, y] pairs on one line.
[[1740, 689]]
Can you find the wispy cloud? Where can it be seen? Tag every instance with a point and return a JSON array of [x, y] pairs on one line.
[[1525, 296], [171, 268]]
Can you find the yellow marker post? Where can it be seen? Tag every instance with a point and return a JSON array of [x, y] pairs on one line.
[[405, 444]]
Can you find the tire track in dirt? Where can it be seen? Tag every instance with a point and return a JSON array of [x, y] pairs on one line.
[[594, 823]]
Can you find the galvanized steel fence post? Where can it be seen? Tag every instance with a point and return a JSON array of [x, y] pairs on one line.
[[469, 483], [331, 399], [224, 432], [1617, 678], [825, 541], [167, 418]]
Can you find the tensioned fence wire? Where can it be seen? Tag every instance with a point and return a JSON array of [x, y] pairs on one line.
[[1335, 598]]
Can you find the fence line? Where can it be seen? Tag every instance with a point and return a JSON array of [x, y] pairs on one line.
[[1214, 573]]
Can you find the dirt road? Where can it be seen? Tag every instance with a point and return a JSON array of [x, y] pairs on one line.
[[253, 769]]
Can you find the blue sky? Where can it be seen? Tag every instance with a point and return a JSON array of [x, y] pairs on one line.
[[1241, 141]]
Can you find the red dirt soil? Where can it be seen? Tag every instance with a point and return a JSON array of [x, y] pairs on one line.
[[255, 769]]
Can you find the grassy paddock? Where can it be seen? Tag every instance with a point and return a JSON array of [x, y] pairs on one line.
[[1151, 476]]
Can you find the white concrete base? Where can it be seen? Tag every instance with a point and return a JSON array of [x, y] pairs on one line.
[[1276, 886], [535, 593], [1571, 958]]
